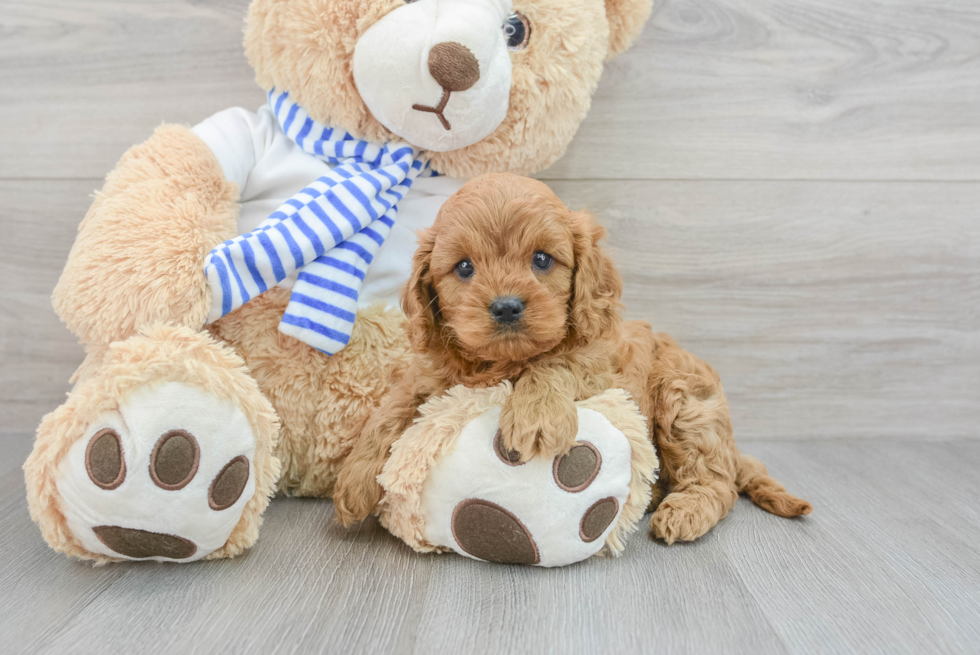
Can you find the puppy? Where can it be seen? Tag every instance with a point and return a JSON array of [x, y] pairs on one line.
[[508, 284]]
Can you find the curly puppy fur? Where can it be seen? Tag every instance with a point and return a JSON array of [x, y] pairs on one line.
[[570, 343]]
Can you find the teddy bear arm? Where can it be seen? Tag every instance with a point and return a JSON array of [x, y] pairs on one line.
[[140, 251]]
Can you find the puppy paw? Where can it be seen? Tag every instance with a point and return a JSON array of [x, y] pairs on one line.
[[677, 519], [357, 492], [538, 428]]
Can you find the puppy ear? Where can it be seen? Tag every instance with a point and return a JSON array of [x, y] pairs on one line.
[[597, 287], [626, 19], [419, 301]]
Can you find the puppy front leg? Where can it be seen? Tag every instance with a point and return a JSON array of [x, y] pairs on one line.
[[357, 491], [539, 417]]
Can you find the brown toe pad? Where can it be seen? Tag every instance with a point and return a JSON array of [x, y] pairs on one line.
[[597, 518], [508, 456], [140, 544], [104, 459], [175, 459], [575, 470], [490, 532], [229, 484]]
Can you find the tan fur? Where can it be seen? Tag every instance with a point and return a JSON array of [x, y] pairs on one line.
[[617, 406], [139, 256], [306, 46], [440, 422], [322, 401], [626, 19], [118, 280], [141, 248], [160, 353], [570, 345]]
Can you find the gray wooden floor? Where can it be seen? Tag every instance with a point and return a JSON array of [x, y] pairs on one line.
[[889, 562], [793, 190]]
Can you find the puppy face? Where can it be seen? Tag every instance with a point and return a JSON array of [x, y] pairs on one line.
[[506, 272]]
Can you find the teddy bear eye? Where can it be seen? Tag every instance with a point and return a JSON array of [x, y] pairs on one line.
[[517, 31], [542, 261], [465, 269]]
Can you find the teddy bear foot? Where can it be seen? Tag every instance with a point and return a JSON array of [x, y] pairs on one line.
[[166, 470], [479, 499], [165, 476]]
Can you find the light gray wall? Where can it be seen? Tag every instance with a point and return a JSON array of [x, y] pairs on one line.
[[793, 188]]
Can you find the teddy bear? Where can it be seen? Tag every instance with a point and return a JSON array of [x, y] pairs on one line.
[[235, 284]]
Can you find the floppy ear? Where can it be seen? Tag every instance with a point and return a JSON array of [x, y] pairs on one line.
[[419, 301], [597, 287], [626, 19]]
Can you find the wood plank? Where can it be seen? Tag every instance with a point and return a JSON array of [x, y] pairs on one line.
[[782, 89], [883, 565], [830, 309], [93, 78], [37, 353], [882, 545], [790, 89], [15, 447]]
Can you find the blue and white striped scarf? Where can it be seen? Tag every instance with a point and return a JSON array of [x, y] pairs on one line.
[[330, 231]]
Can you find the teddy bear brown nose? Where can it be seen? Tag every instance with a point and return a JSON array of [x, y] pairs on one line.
[[453, 66]]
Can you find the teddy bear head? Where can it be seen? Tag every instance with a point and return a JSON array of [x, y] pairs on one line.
[[481, 85]]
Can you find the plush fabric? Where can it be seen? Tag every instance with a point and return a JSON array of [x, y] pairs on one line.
[[466, 68], [322, 401], [134, 284], [160, 354], [447, 457], [330, 231], [308, 46], [141, 247], [269, 167]]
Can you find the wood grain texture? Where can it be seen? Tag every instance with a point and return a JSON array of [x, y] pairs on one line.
[[887, 563], [790, 89], [792, 189], [779, 89], [830, 309], [37, 353]]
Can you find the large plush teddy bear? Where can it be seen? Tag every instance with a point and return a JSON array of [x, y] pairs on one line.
[[215, 280]]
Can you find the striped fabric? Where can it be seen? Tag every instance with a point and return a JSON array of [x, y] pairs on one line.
[[330, 231]]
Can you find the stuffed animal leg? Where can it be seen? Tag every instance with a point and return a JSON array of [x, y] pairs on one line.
[[451, 485], [163, 451]]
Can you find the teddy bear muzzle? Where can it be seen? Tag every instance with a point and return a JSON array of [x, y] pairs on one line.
[[455, 68], [443, 85]]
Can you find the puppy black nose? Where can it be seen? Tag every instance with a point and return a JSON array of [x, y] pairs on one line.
[[507, 309], [453, 66]]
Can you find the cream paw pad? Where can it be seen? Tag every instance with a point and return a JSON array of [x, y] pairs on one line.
[[151, 483], [164, 452], [450, 484]]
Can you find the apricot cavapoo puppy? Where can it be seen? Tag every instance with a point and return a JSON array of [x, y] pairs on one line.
[[508, 284]]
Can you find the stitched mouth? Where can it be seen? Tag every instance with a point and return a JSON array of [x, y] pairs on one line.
[[438, 109]]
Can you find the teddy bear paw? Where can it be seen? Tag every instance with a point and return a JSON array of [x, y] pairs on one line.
[[164, 477], [483, 502]]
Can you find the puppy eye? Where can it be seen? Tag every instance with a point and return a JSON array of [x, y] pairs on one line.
[[542, 261], [517, 31], [465, 269]]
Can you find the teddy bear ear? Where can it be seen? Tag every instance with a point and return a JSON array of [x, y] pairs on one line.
[[626, 19]]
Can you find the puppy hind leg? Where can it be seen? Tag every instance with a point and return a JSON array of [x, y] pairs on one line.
[[699, 460], [702, 492]]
